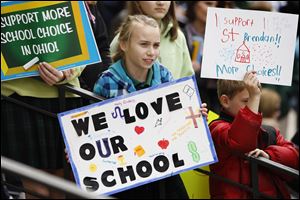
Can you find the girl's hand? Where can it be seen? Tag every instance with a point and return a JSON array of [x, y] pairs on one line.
[[51, 75], [258, 152], [68, 73], [204, 110]]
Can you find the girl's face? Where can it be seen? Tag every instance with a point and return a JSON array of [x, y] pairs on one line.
[[155, 9], [142, 49], [201, 9]]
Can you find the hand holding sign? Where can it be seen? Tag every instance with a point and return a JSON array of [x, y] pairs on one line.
[[51, 75]]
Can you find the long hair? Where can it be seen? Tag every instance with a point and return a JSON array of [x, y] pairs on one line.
[[125, 31], [135, 9]]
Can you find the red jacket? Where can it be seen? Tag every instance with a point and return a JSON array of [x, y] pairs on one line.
[[233, 137]]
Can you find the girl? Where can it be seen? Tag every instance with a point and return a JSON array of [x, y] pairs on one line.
[[136, 68], [173, 48]]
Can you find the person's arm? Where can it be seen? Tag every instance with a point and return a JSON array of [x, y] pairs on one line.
[[253, 86], [283, 152], [240, 136]]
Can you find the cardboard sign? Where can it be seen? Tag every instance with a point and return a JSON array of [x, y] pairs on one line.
[[57, 32], [138, 138], [237, 41]]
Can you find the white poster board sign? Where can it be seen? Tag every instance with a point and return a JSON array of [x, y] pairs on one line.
[[131, 140], [237, 41]]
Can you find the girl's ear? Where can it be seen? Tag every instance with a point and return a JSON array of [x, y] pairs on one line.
[[123, 45], [224, 101]]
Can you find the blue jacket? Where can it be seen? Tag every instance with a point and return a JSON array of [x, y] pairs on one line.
[[115, 82]]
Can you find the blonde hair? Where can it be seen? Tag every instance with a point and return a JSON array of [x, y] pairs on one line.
[[229, 87], [134, 9], [126, 29], [269, 102]]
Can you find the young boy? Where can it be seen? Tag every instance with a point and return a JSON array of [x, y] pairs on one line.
[[238, 132]]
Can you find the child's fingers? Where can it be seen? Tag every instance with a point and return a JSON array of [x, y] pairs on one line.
[[51, 73], [203, 105], [249, 76], [68, 73], [252, 152], [257, 153], [204, 110], [44, 76]]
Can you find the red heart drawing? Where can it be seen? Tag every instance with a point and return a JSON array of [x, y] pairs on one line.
[[163, 143], [139, 129]]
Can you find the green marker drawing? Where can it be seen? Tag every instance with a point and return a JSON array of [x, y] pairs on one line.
[[193, 149]]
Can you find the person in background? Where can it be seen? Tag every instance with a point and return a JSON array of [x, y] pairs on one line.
[[194, 32], [269, 106], [110, 10], [92, 72], [135, 67], [239, 132], [173, 48]]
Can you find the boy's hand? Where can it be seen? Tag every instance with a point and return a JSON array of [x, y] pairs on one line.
[[253, 86], [258, 152], [204, 110]]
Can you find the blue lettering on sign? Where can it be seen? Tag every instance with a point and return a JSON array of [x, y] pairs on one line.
[[226, 70], [271, 71], [263, 38]]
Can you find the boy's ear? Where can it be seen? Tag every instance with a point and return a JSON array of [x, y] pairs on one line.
[[123, 45], [224, 101]]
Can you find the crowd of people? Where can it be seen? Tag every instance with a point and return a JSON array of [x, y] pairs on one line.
[[154, 45]]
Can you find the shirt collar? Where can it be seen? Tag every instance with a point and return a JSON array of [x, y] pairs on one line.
[[137, 84]]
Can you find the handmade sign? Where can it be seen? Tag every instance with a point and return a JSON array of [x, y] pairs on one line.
[[237, 41], [138, 138], [57, 32]]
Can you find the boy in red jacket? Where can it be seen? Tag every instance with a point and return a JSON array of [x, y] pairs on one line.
[[238, 132]]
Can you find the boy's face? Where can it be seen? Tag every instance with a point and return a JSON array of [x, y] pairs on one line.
[[143, 47], [236, 103]]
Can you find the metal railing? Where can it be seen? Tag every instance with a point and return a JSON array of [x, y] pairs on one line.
[[42, 177], [254, 162], [62, 185]]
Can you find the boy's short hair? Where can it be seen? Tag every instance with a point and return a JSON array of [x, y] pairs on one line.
[[229, 87]]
